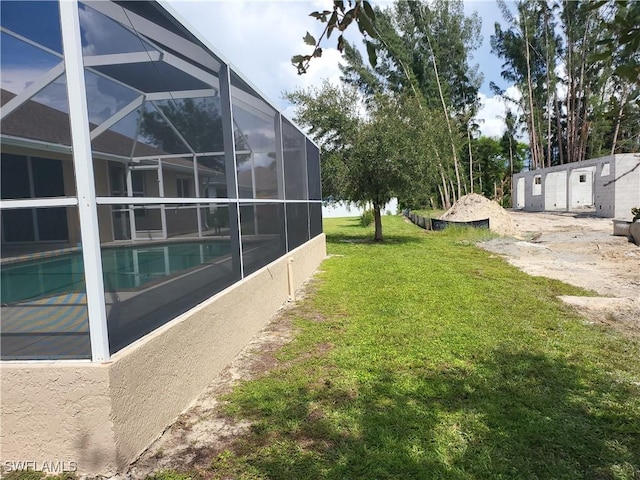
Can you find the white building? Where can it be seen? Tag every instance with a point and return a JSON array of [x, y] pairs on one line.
[[609, 186]]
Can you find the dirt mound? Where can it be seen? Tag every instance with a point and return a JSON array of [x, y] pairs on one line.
[[476, 207]]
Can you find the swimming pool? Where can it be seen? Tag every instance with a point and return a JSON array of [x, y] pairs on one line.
[[124, 268], [44, 304]]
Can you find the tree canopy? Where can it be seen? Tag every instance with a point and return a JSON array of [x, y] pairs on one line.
[[577, 66], [372, 155]]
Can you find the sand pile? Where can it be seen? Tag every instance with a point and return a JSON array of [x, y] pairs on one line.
[[476, 207]]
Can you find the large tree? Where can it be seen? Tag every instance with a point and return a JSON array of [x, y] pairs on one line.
[[423, 49], [388, 147]]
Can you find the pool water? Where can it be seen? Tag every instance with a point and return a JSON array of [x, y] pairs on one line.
[[124, 268]]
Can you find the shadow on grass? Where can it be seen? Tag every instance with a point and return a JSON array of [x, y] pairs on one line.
[[513, 414], [368, 239], [351, 231]]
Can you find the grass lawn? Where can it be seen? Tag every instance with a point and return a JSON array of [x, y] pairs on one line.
[[429, 213], [426, 357]]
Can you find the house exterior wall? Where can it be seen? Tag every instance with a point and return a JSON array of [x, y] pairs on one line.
[[102, 416], [612, 186], [57, 412], [159, 317]]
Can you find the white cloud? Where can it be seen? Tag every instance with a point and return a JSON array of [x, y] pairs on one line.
[[259, 37], [493, 110]]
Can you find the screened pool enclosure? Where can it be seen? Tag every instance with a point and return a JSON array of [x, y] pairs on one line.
[[140, 176]]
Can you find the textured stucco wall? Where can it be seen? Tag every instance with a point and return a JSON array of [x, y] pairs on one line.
[[305, 259], [102, 416], [57, 412]]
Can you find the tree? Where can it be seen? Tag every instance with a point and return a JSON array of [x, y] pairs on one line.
[[370, 156], [423, 50], [621, 20], [496, 161], [340, 18], [520, 46]]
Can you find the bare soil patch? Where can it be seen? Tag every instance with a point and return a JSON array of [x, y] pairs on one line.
[[579, 249]]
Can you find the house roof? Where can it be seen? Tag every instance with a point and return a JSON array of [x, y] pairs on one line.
[[36, 121]]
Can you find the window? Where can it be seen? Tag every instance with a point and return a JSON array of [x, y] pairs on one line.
[[182, 187], [137, 183], [606, 170], [538, 180], [583, 178], [32, 177]]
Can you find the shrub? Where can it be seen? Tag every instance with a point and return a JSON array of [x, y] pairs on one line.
[[636, 213], [366, 218]]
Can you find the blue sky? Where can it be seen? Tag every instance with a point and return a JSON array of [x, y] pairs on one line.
[[260, 36]]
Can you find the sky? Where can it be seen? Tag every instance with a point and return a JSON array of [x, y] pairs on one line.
[[259, 37]]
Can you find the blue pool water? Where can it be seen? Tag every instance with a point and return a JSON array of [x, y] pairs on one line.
[[124, 268]]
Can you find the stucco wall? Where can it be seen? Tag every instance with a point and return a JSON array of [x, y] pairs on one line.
[[180, 359], [102, 416], [57, 412]]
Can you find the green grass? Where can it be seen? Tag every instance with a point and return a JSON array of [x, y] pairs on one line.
[[427, 357], [427, 213]]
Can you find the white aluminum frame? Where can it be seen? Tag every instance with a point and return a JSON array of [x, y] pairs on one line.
[[84, 175]]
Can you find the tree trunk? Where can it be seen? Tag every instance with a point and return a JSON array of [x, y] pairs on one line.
[[623, 101], [441, 196], [446, 116], [378, 223], [470, 160], [584, 127], [445, 190], [559, 128], [550, 88], [510, 165], [571, 94], [533, 133]]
